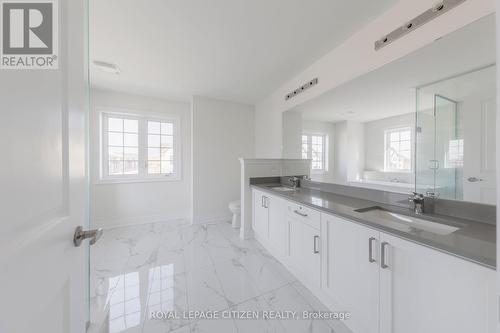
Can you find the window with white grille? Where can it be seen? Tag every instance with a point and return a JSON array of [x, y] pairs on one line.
[[398, 149], [314, 147], [136, 147]]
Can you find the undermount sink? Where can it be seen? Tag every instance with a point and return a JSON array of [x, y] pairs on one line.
[[406, 223], [283, 189]]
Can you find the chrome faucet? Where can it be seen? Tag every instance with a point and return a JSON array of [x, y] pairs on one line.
[[423, 204], [294, 181], [417, 202]]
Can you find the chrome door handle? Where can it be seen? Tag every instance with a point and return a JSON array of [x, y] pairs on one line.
[[315, 242], [474, 179], [370, 249], [299, 213], [382, 255], [81, 234]]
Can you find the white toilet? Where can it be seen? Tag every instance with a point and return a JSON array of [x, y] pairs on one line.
[[235, 208]]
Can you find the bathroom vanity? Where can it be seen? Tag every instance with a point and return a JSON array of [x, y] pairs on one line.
[[392, 270]]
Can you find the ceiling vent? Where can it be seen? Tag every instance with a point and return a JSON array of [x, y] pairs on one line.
[[301, 89]]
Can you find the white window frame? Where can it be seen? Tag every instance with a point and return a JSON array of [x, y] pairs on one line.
[[325, 156], [386, 146], [142, 175]]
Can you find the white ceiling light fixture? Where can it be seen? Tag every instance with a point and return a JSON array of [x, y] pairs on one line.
[[107, 67]]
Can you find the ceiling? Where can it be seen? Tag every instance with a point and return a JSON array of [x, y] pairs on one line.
[[389, 90], [239, 50]]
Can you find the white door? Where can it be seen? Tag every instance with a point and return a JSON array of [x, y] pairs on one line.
[[277, 224], [479, 116], [260, 214], [426, 291], [351, 270], [43, 188], [304, 251]]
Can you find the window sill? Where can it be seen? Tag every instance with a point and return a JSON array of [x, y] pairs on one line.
[[136, 180]]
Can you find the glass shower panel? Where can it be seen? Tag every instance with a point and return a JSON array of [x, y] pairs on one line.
[[446, 136], [438, 139]]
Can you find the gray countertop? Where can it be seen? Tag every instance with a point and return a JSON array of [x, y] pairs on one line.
[[474, 241]]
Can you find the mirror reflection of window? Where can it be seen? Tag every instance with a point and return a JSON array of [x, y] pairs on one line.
[[314, 147], [398, 149]]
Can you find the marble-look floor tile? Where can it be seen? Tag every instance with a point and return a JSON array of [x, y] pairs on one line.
[[267, 273], [260, 324], [205, 291], [237, 284], [175, 266], [214, 326]]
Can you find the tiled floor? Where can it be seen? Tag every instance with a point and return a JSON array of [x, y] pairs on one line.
[[174, 266]]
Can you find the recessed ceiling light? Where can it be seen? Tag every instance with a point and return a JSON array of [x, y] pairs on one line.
[[107, 67]]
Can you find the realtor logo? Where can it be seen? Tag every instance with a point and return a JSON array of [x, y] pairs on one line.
[[29, 34]]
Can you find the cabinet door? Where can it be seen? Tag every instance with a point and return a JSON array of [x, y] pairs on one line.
[[303, 251], [260, 214], [277, 224], [351, 270], [427, 291]]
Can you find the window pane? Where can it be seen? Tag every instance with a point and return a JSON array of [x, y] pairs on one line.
[[130, 140], [115, 167], [404, 145], [154, 154], [130, 125], [115, 139], [394, 136], [131, 153], [167, 167], [115, 153], [167, 128], [115, 124], [154, 141], [167, 141], [153, 127], [131, 167], [167, 154], [405, 135], [154, 167]]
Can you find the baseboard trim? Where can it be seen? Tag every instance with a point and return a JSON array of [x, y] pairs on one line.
[[211, 219], [136, 220]]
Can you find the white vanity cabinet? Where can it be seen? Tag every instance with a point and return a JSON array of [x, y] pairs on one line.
[[388, 284], [269, 222], [304, 243], [424, 290], [350, 274], [391, 285], [260, 221]]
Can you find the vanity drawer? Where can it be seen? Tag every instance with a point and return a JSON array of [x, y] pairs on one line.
[[304, 214]]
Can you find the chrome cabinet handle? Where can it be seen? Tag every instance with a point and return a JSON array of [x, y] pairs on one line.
[[262, 201], [266, 202], [382, 255], [315, 242], [299, 213], [370, 249], [81, 234]]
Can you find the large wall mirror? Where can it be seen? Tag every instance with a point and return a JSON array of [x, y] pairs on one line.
[[424, 122]]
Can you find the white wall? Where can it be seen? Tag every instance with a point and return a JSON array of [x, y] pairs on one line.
[[222, 132], [142, 202], [356, 56], [292, 134]]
